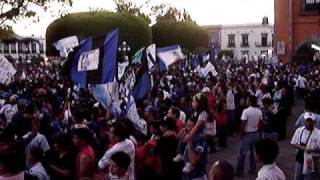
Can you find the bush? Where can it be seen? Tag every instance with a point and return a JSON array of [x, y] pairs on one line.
[[186, 34], [134, 30]]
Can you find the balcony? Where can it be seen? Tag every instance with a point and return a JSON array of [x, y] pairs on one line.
[[231, 45], [265, 44], [13, 51], [244, 45]]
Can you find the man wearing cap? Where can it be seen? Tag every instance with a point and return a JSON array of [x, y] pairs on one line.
[[306, 140]]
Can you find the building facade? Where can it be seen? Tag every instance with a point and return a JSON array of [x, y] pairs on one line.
[[297, 27], [246, 41], [19, 47]]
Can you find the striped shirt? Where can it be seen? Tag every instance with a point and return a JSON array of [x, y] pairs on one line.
[[126, 146]]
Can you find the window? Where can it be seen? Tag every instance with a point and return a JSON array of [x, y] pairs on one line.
[[13, 48], [1, 47], [33, 47], [25, 48], [312, 5], [6, 48], [231, 42], [264, 39], [19, 47], [41, 48], [245, 40]]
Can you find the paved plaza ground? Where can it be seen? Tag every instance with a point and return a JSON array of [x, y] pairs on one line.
[[285, 159]]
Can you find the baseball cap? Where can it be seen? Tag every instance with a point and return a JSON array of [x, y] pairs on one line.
[[309, 116]]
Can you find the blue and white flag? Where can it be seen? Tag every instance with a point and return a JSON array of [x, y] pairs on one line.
[[138, 56], [151, 56], [170, 54], [66, 45], [108, 96], [94, 61], [132, 114], [142, 87], [209, 68]]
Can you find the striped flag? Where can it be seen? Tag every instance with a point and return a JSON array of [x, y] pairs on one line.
[[94, 61]]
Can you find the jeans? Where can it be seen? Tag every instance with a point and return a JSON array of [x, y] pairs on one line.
[[272, 136], [299, 176], [232, 121], [247, 143]]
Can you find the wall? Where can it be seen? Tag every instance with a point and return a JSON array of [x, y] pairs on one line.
[[254, 32]]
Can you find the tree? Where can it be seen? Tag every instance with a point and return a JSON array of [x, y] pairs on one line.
[[168, 12], [6, 32], [126, 6], [186, 34], [12, 10], [133, 29]]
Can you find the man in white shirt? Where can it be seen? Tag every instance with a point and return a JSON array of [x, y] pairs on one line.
[[231, 109], [306, 140], [36, 168], [267, 151], [9, 110], [251, 120], [119, 137], [301, 85]]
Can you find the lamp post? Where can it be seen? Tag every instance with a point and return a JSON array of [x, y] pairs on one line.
[[124, 51]]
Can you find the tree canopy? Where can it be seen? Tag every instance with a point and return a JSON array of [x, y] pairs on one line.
[[134, 30], [12, 10], [187, 34]]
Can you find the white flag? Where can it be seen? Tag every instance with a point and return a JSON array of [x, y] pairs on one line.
[[209, 68], [170, 54], [66, 45], [89, 60], [151, 56], [132, 114], [7, 71]]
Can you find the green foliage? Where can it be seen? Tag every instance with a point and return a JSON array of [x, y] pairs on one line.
[[134, 30], [127, 6], [186, 34], [6, 32], [167, 12], [200, 50], [12, 10], [226, 53]]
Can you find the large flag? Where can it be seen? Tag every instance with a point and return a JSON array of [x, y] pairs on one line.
[[7, 71], [142, 87], [94, 61], [151, 56], [66, 45], [132, 114], [170, 54]]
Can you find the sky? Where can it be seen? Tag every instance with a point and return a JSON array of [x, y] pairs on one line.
[[204, 12]]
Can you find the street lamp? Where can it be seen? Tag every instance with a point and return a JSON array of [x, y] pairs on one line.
[[124, 51]]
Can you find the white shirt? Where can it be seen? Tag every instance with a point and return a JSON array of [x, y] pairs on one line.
[[39, 141], [126, 146], [183, 117], [9, 111], [314, 140], [39, 171], [302, 82], [259, 95], [270, 172], [230, 100], [253, 116]]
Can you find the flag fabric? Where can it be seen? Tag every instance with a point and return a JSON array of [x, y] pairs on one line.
[[151, 56], [195, 61], [66, 45], [94, 60], [132, 114], [108, 96], [7, 71], [170, 54], [209, 68], [122, 68], [138, 56], [142, 87]]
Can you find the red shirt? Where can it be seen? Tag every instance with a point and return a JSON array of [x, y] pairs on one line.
[[221, 119], [88, 151], [180, 125]]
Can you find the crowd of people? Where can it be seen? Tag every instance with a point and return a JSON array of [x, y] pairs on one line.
[[53, 129]]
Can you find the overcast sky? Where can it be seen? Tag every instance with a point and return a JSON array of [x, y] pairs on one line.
[[205, 12]]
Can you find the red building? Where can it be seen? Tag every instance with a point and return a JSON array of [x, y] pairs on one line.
[[297, 27]]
